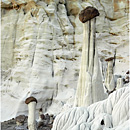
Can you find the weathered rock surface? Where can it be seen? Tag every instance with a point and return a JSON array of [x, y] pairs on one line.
[[90, 79], [110, 114], [41, 50]]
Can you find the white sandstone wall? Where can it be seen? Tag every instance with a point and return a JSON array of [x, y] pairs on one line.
[[41, 50]]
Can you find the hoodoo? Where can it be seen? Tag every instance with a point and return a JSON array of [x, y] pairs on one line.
[[119, 83], [109, 80], [31, 102], [90, 87]]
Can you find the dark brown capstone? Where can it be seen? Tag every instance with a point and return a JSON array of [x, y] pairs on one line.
[[30, 99], [128, 72], [109, 59], [88, 13]]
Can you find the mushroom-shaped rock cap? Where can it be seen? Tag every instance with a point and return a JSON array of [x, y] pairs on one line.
[[128, 72], [109, 59], [88, 13], [30, 99]]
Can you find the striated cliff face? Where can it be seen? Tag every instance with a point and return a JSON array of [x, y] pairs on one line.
[[41, 48]]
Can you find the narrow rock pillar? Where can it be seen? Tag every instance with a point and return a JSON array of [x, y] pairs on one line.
[[90, 87], [109, 80], [119, 83], [31, 102]]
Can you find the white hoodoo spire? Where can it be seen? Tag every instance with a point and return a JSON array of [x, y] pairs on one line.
[[31, 101], [90, 87]]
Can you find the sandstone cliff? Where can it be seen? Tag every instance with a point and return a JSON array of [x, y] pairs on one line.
[[41, 48]]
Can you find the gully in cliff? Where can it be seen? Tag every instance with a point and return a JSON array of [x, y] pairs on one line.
[[90, 80], [31, 102]]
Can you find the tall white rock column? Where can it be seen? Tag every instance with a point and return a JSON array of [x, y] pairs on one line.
[[31, 101], [90, 87], [109, 80], [119, 83]]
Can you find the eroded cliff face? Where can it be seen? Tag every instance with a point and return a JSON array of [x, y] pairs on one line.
[[41, 48]]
